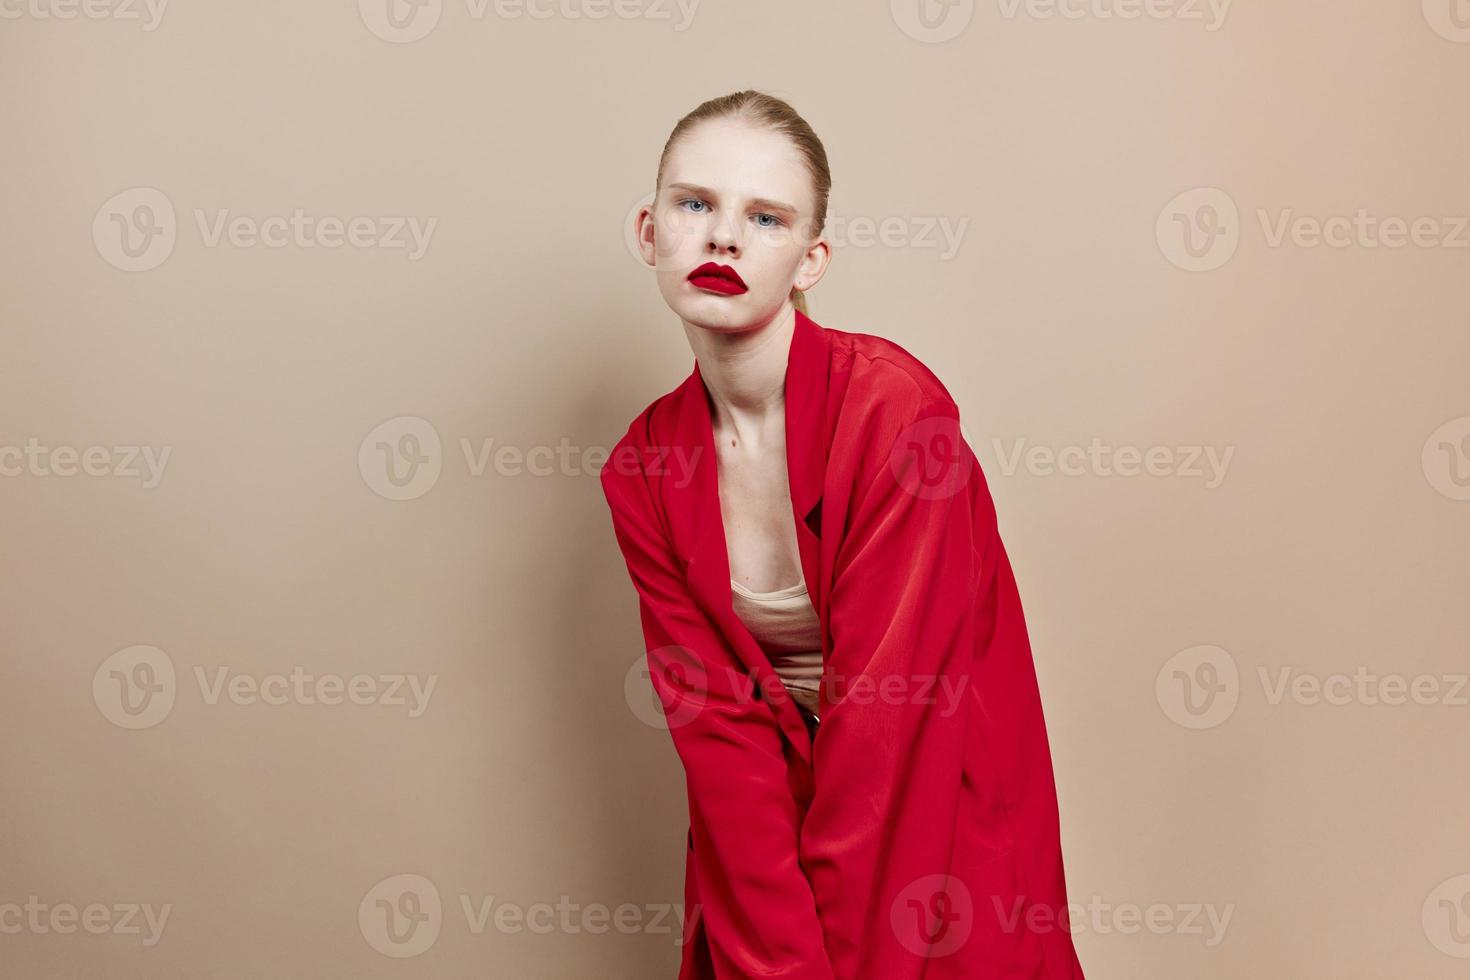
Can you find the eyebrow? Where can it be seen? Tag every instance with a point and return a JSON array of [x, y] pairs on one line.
[[760, 202]]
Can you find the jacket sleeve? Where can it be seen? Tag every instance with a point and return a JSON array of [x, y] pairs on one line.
[[758, 911], [922, 612]]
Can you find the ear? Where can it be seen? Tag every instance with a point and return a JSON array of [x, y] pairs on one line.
[[813, 264], [644, 228]]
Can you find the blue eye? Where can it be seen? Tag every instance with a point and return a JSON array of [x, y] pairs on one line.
[[775, 221], [692, 200]]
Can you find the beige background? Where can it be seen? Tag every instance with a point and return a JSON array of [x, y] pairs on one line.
[[1333, 544]]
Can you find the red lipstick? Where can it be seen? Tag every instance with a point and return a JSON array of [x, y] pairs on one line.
[[718, 279]]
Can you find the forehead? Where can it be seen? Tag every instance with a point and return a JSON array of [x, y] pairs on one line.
[[737, 159]]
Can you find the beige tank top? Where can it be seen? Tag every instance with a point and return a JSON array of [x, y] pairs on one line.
[[786, 626]]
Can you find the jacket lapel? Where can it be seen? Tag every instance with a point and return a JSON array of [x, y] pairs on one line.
[[807, 375], [807, 372]]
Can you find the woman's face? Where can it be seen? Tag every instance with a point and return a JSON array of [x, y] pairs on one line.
[[739, 196]]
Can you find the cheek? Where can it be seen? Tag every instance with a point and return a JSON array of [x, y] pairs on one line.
[[677, 232], [779, 244], [774, 259]]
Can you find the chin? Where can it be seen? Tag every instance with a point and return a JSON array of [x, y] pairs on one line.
[[710, 309], [718, 320]]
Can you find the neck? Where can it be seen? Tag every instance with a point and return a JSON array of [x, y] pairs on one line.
[[745, 374]]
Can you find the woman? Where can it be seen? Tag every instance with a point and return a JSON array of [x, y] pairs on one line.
[[832, 625]]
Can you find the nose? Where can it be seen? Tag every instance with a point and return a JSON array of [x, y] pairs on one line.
[[724, 236]]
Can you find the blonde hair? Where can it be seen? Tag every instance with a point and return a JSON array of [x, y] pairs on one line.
[[776, 114]]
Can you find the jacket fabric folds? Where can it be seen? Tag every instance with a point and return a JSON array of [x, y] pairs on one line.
[[915, 834]]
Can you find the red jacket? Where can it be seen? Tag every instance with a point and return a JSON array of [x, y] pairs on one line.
[[916, 835]]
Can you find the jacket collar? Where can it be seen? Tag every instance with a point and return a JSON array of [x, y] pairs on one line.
[[807, 377]]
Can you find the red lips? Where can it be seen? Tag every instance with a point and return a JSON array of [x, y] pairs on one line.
[[718, 279]]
